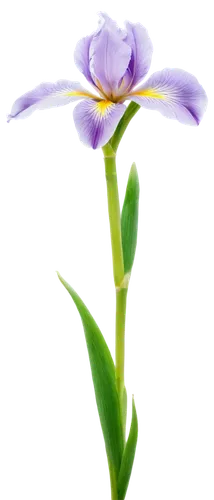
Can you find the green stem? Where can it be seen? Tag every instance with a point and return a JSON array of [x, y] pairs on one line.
[[118, 269], [119, 320], [131, 110], [121, 296], [114, 217]]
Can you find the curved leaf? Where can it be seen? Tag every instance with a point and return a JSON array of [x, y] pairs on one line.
[[129, 219], [128, 456], [124, 408], [103, 375]]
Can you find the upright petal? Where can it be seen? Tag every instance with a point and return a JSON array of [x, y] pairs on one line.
[[48, 95], [107, 22], [124, 84], [175, 93], [82, 51], [141, 45], [109, 59], [81, 57], [97, 121]]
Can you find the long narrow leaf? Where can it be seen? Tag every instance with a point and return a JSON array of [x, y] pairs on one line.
[[129, 219], [124, 408], [128, 456], [103, 374]]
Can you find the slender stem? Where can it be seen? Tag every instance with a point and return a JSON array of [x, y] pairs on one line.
[[114, 219], [113, 328], [131, 110], [121, 296], [118, 268], [126, 363]]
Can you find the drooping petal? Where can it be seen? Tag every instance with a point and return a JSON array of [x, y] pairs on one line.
[[97, 121], [141, 45], [109, 59], [48, 95], [175, 93]]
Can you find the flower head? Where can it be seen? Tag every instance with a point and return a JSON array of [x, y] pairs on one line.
[[114, 62]]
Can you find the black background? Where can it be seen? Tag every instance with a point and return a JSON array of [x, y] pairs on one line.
[[52, 211]]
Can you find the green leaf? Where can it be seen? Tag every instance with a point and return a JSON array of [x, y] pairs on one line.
[[124, 407], [129, 219], [128, 456], [103, 375]]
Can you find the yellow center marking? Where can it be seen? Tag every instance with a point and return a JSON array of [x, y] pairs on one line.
[[149, 93], [102, 106], [80, 94]]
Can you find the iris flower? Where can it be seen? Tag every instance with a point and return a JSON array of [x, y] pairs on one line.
[[114, 62]]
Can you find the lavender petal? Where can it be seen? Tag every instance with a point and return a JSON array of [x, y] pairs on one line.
[[174, 93], [47, 95], [97, 121]]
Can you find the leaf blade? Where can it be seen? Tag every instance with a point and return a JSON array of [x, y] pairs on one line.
[[129, 219], [128, 456], [103, 375]]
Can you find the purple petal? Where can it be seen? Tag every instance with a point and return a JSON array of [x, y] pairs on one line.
[[48, 95], [81, 57], [175, 93], [97, 121], [124, 84], [106, 22], [109, 58], [82, 50], [141, 45]]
